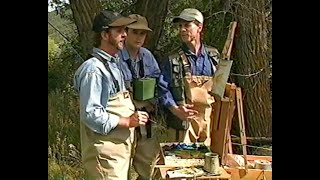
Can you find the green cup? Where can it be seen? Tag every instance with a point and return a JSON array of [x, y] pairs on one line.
[[143, 89]]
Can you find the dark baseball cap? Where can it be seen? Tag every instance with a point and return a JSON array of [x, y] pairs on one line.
[[106, 19]]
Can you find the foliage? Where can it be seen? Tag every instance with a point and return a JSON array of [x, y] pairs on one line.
[[63, 171], [63, 23], [53, 50], [63, 136], [61, 67], [62, 50], [119, 6]]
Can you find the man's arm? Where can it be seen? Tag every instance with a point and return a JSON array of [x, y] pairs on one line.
[[165, 96], [154, 67], [183, 112], [93, 113]]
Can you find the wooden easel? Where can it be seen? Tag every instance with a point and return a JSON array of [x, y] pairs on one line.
[[222, 122], [224, 107], [243, 137]]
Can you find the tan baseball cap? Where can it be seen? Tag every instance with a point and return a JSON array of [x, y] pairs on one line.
[[141, 22], [189, 14], [106, 19]]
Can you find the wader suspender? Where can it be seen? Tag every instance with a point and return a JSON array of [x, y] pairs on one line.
[[187, 72], [210, 52], [185, 63], [106, 65], [141, 68]]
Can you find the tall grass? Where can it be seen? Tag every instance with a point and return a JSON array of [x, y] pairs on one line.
[[64, 159]]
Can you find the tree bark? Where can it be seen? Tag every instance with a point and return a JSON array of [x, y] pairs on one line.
[[250, 57], [155, 12], [83, 13]]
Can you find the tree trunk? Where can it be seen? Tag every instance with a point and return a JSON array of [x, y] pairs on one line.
[[83, 14], [250, 57], [155, 12]]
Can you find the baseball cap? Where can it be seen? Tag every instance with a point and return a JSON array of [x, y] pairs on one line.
[[141, 22], [106, 19], [189, 14]]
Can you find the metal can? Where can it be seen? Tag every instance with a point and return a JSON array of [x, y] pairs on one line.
[[262, 164], [211, 163]]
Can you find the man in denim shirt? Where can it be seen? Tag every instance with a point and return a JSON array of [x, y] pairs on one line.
[[107, 114], [138, 62]]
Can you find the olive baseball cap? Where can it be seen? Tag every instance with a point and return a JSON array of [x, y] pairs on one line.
[[141, 22], [189, 14], [106, 19]]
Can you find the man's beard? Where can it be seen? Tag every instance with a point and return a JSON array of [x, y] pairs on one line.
[[117, 44]]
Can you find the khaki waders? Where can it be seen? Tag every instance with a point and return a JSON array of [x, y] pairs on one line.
[[197, 90], [198, 130], [107, 157], [146, 153]]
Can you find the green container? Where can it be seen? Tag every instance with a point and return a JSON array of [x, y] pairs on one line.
[[143, 89]]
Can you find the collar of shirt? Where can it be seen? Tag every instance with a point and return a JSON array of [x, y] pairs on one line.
[[125, 54], [188, 52], [105, 55]]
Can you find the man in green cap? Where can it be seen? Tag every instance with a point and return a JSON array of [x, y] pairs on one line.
[[138, 63]]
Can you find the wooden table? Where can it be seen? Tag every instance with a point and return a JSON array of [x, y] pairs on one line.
[[224, 175]]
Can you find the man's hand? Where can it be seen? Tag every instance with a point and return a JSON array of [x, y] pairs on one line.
[[184, 112], [136, 119]]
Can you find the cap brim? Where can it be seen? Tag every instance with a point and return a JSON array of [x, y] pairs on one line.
[[139, 26], [186, 18], [123, 21]]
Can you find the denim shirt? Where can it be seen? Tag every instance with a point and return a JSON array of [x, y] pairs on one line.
[[201, 65], [95, 86], [150, 65]]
